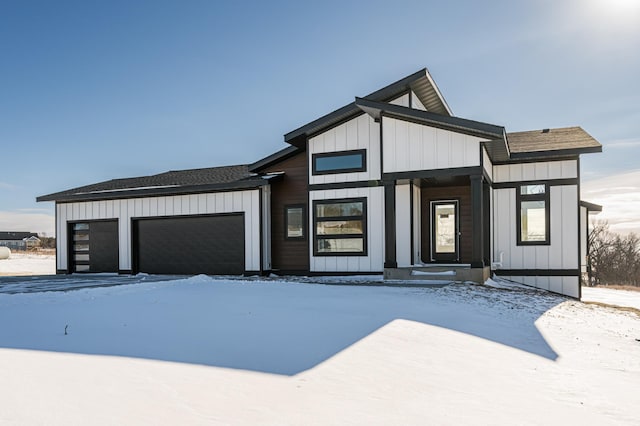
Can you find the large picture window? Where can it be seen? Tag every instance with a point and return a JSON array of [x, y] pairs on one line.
[[533, 214], [339, 162], [340, 227]]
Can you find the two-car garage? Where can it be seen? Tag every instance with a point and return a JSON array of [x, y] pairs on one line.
[[215, 233], [208, 244]]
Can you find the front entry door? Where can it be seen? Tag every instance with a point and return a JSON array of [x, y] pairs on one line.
[[444, 231]]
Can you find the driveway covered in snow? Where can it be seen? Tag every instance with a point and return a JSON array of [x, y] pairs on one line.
[[45, 283]]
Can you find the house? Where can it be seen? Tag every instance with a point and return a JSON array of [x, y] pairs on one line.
[[19, 240], [391, 183]]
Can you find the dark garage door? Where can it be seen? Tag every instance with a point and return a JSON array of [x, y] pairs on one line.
[[94, 246], [190, 245]]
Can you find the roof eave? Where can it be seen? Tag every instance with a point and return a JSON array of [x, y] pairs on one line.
[[346, 111], [154, 192], [274, 158], [460, 125], [591, 207], [556, 152], [437, 91]]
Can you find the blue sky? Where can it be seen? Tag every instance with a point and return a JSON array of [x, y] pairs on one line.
[[91, 91]]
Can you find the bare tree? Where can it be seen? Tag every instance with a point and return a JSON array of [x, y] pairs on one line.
[[613, 258]]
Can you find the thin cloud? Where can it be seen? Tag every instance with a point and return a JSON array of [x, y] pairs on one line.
[[623, 143], [27, 222], [5, 185], [619, 196], [49, 211]]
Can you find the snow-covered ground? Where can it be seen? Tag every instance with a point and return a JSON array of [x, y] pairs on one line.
[[611, 296], [21, 263], [219, 351]]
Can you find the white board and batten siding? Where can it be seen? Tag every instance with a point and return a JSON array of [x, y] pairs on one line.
[[374, 260], [402, 100], [361, 132], [561, 253], [409, 101], [416, 104], [544, 170], [124, 210], [406, 215], [412, 147], [569, 286]]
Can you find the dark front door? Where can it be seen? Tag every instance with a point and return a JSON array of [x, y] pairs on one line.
[[190, 245], [445, 231]]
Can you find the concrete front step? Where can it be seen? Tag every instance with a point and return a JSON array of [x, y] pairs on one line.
[[444, 273]]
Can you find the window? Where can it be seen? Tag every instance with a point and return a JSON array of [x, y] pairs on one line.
[[533, 214], [294, 222], [340, 227], [80, 248], [339, 162]]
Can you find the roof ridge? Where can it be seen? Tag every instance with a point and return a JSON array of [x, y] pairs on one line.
[[203, 168], [547, 128]]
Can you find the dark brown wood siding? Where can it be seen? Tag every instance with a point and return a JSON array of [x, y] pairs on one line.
[[463, 195], [289, 255]]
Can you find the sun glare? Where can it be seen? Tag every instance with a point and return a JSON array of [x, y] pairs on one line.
[[627, 9], [622, 3], [609, 21]]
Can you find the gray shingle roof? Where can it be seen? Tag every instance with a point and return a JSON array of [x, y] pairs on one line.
[[562, 141], [168, 183]]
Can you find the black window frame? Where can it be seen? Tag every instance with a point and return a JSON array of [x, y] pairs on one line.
[[520, 198], [362, 217], [304, 222], [316, 172]]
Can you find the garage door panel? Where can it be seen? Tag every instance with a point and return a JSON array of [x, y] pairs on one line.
[[104, 246], [191, 245]]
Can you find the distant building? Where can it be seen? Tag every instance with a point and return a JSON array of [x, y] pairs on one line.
[[19, 240]]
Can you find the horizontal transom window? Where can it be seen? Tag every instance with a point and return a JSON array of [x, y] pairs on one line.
[[339, 162], [340, 227]]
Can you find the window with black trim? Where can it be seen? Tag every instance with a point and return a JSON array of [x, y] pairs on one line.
[[340, 227], [533, 214], [294, 222], [339, 162]]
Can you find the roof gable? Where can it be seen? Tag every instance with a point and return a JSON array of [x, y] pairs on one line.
[[421, 83]]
